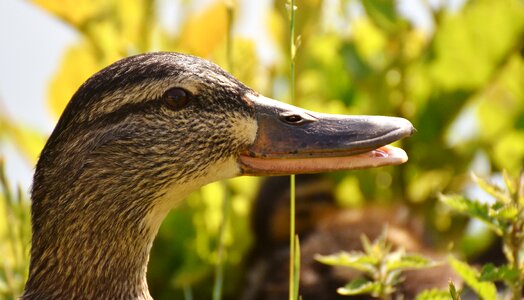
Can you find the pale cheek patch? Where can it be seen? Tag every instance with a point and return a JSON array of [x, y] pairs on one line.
[[244, 129]]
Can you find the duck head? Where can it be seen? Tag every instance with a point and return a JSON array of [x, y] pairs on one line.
[[140, 135]]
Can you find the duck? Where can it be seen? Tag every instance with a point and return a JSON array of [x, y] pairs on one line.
[[325, 227], [140, 135]]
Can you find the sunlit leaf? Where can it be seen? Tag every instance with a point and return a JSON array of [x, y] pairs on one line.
[[503, 273], [383, 13], [505, 214], [509, 151], [428, 184], [204, 31], [486, 290], [433, 294], [29, 140], [276, 27], [359, 286], [348, 192], [370, 42], [474, 209], [402, 261], [139, 18], [484, 31], [78, 64], [75, 12], [355, 260], [492, 189]]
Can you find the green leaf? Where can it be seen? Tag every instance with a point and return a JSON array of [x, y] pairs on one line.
[[366, 244], [433, 294], [473, 209], [505, 214], [383, 13], [453, 291], [402, 261], [486, 290], [506, 273], [494, 190], [356, 260], [510, 183], [29, 141], [359, 286], [508, 151], [458, 37]]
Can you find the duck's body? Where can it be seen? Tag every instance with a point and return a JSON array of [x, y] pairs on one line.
[[139, 136]]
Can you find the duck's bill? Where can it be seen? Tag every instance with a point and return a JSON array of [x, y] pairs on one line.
[[291, 140]]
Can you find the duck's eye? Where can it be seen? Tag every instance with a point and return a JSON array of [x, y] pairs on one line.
[[177, 98]]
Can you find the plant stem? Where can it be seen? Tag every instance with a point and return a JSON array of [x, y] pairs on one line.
[[515, 241], [293, 269], [292, 239]]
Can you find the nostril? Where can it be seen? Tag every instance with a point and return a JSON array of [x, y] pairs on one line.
[[293, 119]]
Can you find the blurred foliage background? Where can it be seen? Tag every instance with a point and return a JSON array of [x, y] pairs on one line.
[[460, 81]]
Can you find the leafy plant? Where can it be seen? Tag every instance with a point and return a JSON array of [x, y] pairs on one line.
[[15, 235], [381, 266], [505, 217]]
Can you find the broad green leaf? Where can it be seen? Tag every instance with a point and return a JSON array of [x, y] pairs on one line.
[[359, 286], [503, 273], [486, 290], [492, 189], [483, 31], [356, 260], [433, 294]]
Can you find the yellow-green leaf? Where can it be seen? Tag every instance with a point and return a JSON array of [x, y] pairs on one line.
[[203, 32], [77, 65], [75, 12]]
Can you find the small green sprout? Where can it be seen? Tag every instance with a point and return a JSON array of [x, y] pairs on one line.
[[381, 266]]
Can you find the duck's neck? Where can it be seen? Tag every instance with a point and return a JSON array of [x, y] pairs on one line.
[[95, 250]]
